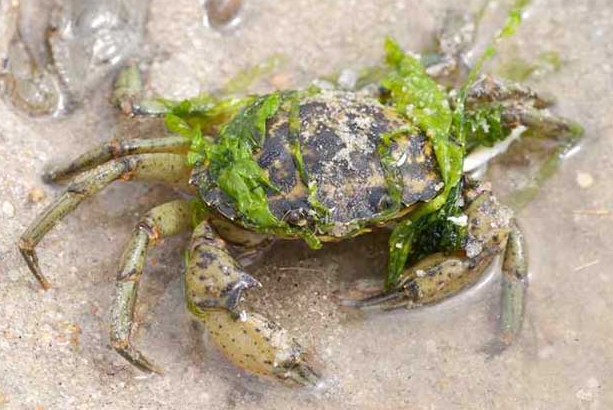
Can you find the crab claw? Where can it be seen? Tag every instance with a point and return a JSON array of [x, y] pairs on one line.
[[430, 280]]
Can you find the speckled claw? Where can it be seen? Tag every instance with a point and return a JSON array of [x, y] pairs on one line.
[[491, 231], [432, 279], [214, 283]]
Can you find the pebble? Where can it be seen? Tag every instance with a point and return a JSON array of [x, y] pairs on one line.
[[36, 195], [14, 275], [431, 346], [222, 12], [281, 81], [348, 79], [461, 220], [323, 84], [593, 383], [8, 209], [584, 180], [584, 395]]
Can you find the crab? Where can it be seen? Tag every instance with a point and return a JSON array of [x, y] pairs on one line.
[[321, 165]]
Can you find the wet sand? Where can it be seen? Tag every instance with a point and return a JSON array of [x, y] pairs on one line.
[[54, 350]]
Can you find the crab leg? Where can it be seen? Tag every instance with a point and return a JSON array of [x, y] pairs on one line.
[[542, 124], [489, 89], [522, 106], [115, 149], [214, 283], [162, 221], [167, 168], [455, 37], [514, 286], [127, 94]]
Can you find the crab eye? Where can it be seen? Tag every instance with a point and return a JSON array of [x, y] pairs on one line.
[[386, 202], [295, 217], [200, 176], [411, 289]]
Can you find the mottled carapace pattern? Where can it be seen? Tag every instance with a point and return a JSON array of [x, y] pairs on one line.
[[339, 135]]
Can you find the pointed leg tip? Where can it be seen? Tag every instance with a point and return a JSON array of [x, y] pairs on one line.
[[150, 367], [146, 366], [42, 280], [303, 375], [153, 369], [136, 358], [29, 255]]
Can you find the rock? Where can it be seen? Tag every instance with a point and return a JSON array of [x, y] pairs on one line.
[[584, 395], [593, 383], [282, 80], [222, 12], [584, 180], [348, 79], [8, 209], [36, 195], [323, 84]]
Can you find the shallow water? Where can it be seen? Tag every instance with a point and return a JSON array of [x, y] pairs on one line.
[[54, 345]]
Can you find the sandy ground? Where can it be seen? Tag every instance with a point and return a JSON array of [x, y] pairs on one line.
[[54, 351]]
